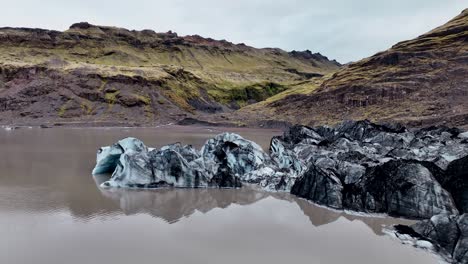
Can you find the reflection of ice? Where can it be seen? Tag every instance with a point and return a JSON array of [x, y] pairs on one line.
[[320, 215], [172, 204]]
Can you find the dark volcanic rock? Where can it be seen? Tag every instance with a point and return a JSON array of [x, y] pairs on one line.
[[447, 233], [307, 54]]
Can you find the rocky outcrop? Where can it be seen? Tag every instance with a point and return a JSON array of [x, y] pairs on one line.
[[98, 74], [445, 234], [308, 55]]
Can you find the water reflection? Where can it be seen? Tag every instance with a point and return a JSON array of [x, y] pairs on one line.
[[47, 170], [173, 204], [50, 206]]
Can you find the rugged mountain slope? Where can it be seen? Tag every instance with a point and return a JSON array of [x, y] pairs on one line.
[[105, 74], [419, 82]]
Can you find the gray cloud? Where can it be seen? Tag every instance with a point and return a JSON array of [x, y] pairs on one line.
[[341, 29]]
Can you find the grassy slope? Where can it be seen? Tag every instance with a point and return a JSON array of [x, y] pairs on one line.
[[420, 81], [225, 69]]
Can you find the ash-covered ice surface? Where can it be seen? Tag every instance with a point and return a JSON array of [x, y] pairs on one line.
[[357, 165], [444, 234], [224, 161]]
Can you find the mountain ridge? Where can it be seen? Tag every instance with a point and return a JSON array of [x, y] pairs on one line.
[[107, 74], [418, 82]]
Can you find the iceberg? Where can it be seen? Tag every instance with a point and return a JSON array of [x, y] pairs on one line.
[[357, 165], [223, 162]]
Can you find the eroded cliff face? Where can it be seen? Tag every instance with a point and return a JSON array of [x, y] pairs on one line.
[[99, 74], [418, 82]]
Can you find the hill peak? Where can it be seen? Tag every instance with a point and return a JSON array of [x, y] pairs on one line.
[[116, 74], [419, 82]]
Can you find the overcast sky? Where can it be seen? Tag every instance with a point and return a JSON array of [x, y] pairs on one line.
[[345, 30]]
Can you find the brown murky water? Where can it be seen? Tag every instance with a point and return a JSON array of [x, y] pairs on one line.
[[52, 212]]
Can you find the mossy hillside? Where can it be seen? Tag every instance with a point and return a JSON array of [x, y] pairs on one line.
[[87, 107], [146, 100], [427, 55], [111, 97], [110, 51], [249, 93], [419, 82], [234, 83], [221, 65], [298, 88], [62, 110], [143, 76]]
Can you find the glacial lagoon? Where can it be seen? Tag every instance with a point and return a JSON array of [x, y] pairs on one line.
[[53, 211]]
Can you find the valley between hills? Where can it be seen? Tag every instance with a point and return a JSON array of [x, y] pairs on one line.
[[100, 76], [383, 138]]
